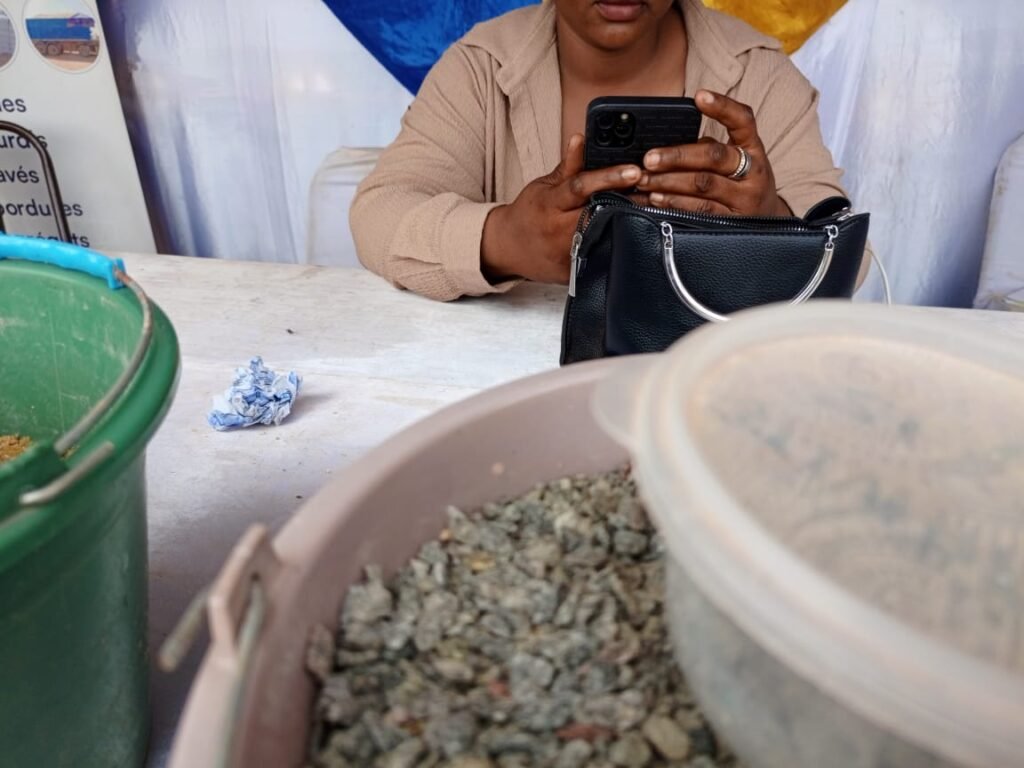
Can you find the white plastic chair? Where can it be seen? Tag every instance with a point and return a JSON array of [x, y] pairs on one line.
[[920, 98], [1001, 285], [329, 240]]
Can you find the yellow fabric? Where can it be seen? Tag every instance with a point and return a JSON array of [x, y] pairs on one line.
[[790, 21]]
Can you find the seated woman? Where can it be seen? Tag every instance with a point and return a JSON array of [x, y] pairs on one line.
[[485, 182]]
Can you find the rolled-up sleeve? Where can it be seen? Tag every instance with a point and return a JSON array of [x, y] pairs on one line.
[[418, 218], [787, 120]]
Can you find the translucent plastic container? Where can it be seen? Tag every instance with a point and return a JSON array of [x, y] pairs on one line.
[[841, 489]]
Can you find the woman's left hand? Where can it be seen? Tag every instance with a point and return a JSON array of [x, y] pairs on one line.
[[703, 177]]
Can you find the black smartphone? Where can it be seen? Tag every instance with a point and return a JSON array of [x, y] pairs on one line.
[[622, 129]]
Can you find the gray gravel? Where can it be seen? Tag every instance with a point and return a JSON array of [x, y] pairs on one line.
[[529, 634]]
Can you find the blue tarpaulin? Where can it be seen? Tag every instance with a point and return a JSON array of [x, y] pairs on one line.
[[408, 37]]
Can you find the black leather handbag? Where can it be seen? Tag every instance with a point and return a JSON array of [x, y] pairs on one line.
[[643, 277]]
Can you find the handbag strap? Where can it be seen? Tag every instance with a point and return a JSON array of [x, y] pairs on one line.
[[699, 309], [886, 289]]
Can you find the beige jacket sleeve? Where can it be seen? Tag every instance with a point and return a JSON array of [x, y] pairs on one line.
[[418, 218], [787, 119]]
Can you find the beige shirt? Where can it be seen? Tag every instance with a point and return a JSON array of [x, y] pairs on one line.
[[487, 121]]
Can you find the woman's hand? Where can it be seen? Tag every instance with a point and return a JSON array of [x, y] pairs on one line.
[[530, 238], [696, 177]]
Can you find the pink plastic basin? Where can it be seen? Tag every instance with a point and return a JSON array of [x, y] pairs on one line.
[[251, 704]]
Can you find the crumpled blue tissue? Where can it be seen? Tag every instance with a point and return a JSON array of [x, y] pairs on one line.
[[258, 395]]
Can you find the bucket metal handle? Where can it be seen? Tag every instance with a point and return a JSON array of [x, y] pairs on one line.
[[64, 255], [49, 174], [80, 259]]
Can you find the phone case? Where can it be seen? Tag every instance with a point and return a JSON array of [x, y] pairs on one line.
[[653, 122]]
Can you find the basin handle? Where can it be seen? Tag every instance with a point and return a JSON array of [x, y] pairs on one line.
[[228, 603], [241, 584], [235, 606]]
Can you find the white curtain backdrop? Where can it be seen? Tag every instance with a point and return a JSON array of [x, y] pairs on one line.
[[920, 100], [234, 105]]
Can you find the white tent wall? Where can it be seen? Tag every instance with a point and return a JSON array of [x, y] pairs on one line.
[[235, 105], [920, 100], [232, 107]]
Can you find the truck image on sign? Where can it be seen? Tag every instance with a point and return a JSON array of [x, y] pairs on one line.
[[64, 36]]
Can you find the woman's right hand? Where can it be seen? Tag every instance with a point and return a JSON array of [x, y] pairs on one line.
[[530, 237]]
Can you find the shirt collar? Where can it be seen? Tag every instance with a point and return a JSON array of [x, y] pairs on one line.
[[715, 42]]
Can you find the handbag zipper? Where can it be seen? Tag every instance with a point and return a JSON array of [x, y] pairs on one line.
[[796, 224], [725, 221], [668, 238], [574, 261]]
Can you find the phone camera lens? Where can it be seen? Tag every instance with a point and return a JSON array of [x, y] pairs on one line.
[[604, 138], [605, 121], [623, 130]]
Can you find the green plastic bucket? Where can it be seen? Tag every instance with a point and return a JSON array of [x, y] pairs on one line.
[[88, 368]]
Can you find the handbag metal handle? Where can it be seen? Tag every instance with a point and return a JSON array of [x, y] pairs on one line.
[[691, 303]]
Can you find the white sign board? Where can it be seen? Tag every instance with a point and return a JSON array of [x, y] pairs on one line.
[[56, 81]]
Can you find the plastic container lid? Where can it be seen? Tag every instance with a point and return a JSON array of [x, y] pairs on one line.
[[846, 483]]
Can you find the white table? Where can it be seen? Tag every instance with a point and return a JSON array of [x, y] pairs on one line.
[[373, 360]]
